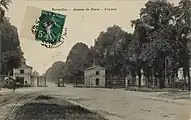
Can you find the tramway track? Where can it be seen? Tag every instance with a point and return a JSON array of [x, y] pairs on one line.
[[18, 102]]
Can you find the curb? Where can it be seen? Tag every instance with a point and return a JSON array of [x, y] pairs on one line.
[[186, 102]]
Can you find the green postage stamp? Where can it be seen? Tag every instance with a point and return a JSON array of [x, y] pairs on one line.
[[49, 28]]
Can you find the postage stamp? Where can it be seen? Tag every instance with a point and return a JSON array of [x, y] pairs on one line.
[[45, 27]]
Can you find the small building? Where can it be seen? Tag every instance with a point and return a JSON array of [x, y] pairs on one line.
[[181, 75], [24, 74], [94, 76]]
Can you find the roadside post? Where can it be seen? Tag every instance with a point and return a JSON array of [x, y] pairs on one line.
[[126, 82]]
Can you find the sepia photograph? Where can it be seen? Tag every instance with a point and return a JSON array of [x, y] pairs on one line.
[[95, 60]]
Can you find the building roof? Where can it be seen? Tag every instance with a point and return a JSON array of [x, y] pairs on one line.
[[10, 77], [25, 66], [95, 66]]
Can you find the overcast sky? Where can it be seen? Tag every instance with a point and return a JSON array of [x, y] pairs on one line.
[[82, 26]]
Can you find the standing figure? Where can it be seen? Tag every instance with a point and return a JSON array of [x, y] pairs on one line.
[[14, 85], [48, 26]]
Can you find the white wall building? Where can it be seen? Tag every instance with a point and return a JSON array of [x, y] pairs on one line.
[[24, 73], [181, 75], [94, 76]]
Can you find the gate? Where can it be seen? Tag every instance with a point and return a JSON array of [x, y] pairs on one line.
[[41, 81], [34, 80], [60, 82]]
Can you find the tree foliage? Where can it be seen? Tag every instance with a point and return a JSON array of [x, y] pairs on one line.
[[10, 44], [160, 42], [55, 71], [162, 34], [78, 59], [109, 49]]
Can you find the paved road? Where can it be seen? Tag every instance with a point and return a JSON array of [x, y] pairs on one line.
[[119, 104]]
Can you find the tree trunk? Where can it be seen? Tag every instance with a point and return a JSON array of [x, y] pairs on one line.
[[139, 74], [161, 79], [188, 74], [133, 76], [185, 70], [146, 73], [148, 78], [172, 79], [188, 70]]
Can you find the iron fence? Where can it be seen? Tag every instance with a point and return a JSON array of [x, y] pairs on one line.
[[41, 81], [113, 82]]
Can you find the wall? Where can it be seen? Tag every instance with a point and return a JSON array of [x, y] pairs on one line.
[[26, 71]]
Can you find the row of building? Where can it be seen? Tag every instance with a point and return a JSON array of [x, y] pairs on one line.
[[95, 77]]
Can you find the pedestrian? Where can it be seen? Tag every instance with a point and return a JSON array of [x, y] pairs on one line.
[[14, 85]]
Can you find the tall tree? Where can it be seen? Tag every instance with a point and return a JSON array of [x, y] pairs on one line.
[[4, 4], [109, 47], [12, 53], [183, 23], [152, 31], [55, 71], [10, 43], [78, 59]]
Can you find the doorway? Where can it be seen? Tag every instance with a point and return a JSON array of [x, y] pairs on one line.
[[97, 81]]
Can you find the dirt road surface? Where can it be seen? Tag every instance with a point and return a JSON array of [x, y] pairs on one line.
[[113, 104]]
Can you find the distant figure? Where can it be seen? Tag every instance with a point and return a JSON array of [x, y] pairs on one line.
[[56, 84], [14, 85], [26, 84]]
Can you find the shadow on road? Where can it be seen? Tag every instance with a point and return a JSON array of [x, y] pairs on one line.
[[49, 108]]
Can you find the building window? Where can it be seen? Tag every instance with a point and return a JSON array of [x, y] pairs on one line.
[[97, 72], [21, 71], [97, 81]]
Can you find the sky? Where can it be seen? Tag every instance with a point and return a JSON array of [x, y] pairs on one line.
[[81, 26]]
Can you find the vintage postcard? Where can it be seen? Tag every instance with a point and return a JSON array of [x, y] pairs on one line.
[[95, 59]]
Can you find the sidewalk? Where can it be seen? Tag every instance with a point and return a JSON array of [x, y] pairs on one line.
[[145, 89], [169, 100], [166, 94]]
